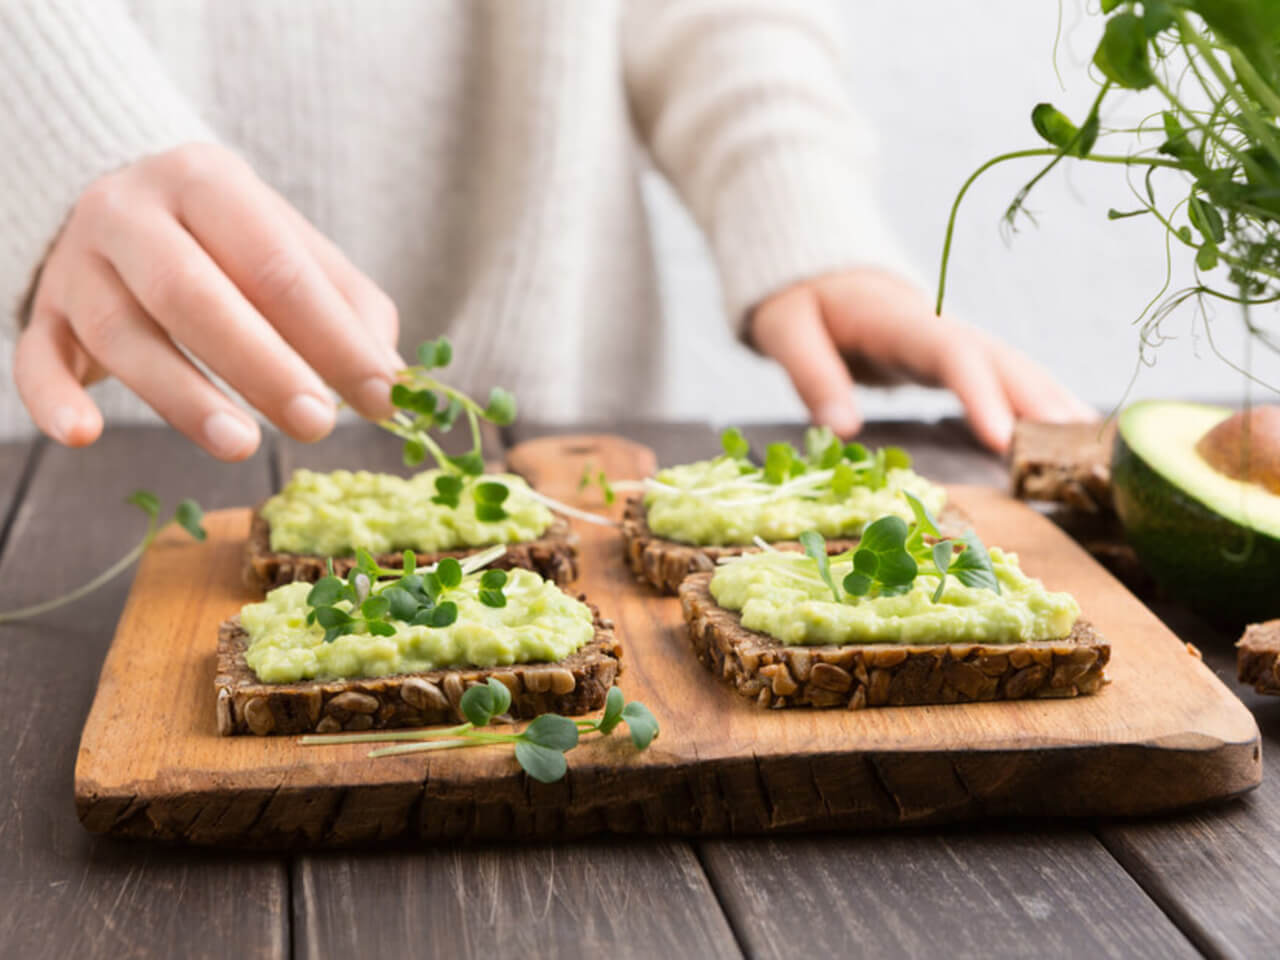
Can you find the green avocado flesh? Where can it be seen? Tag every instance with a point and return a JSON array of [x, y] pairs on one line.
[[706, 503], [540, 622], [1211, 542], [331, 514], [781, 594]]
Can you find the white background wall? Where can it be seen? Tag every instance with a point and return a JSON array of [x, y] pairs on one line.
[[944, 86]]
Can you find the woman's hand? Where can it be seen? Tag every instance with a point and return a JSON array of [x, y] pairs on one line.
[[189, 249], [877, 326]]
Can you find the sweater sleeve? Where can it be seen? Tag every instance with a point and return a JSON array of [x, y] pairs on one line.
[[81, 94], [743, 106]]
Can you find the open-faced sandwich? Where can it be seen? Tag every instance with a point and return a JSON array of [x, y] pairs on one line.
[[905, 617], [384, 648], [693, 515], [452, 510]]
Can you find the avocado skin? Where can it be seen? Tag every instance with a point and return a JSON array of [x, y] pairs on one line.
[[1184, 545]]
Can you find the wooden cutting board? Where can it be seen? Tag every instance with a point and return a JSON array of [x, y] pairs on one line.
[[1165, 734]]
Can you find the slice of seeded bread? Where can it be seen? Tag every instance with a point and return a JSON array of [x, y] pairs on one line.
[[554, 555], [664, 563], [1063, 462], [575, 685], [1258, 656], [855, 676]]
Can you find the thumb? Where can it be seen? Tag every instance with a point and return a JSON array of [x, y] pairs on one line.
[[790, 327]]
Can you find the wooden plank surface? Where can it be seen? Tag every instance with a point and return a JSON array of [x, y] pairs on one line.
[[565, 900], [64, 893], [981, 894], [620, 899]]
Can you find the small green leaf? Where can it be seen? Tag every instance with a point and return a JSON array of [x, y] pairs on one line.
[[502, 407], [552, 730], [380, 628], [415, 451], [501, 696], [815, 546], [856, 453], [401, 604], [897, 568], [843, 479], [972, 566], [471, 463], [1114, 214], [857, 584], [491, 492], [450, 573], [146, 501], [866, 563], [925, 520], [613, 703], [490, 513], [189, 517], [778, 458], [1207, 256], [895, 458], [1053, 125], [886, 535], [435, 353], [493, 598], [817, 440], [401, 396], [735, 444], [332, 616], [493, 579], [641, 722], [327, 591], [943, 554], [477, 704], [333, 633], [542, 763], [1206, 219], [1122, 54], [444, 615], [446, 418], [375, 607]]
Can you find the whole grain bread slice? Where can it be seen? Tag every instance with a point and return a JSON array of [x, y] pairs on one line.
[[575, 685], [664, 563], [554, 556], [855, 676], [1258, 656], [1063, 462]]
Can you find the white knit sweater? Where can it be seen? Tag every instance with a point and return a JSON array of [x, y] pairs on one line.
[[480, 159]]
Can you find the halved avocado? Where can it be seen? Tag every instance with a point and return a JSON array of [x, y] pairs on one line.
[[1211, 541]]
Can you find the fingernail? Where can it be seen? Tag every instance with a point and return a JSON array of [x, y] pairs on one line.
[[308, 417], [63, 423], [229, 437], [397, 361], [374, 397], [840, 417]]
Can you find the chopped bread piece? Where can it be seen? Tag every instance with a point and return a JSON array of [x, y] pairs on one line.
[[859, 675], [554, 555], [575, 685], [1258, 656], [1063, 462], [664, 563]]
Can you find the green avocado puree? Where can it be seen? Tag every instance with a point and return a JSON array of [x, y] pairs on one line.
[[780, 593], [539, 623], [706, 503], [331, 514]]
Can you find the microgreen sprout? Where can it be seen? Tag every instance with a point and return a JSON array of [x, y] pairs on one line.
[[540, 747], [418, 596], [891, 554], [594, 477], [1215, 66], [187, 515]]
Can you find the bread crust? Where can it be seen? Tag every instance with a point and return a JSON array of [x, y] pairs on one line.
[[663, 563], [1063, 462], [1258, 656], [856, 676], [554, 556], [575, 685]]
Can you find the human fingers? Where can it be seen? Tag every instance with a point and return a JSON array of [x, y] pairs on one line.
[[968, 371], [112, 326], [237, 219], [1033, 391], [790, 328], [47, 369]]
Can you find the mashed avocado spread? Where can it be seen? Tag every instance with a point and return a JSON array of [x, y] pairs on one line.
[[709, 503], [781, 594], [540, 622], [331, 514]]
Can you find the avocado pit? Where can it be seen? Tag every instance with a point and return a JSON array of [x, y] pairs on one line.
[[1246, 447]]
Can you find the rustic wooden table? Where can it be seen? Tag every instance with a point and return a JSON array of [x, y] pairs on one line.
[[1198, 883]]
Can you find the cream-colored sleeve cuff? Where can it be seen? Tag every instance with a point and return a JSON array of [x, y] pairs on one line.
[[794, 211], [81, 94]]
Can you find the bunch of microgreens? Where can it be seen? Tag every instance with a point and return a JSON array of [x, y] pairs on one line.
[[891, 554], [1216, 67], [416, 596], [825, 464], [187, 515], [539, 748]]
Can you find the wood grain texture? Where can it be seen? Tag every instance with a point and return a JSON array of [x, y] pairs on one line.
[[1166, 733], [64, 893], [589, 901], [985, 894], [1215, 872]]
